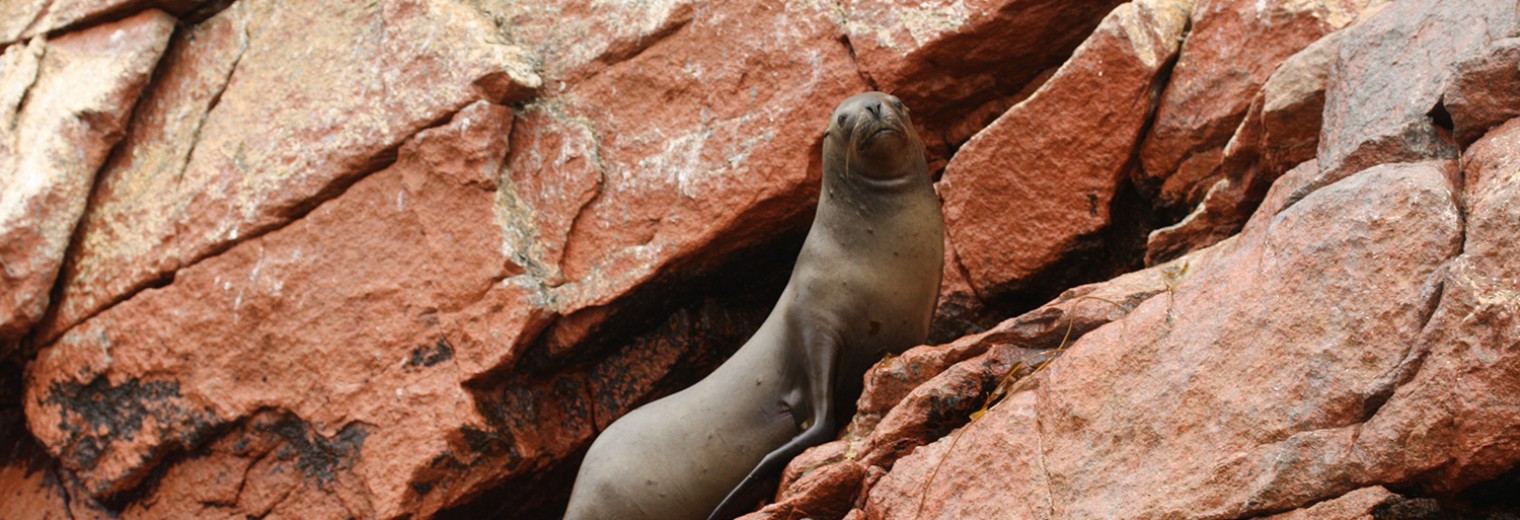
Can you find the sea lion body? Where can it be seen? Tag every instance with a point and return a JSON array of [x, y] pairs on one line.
[[863, 286]]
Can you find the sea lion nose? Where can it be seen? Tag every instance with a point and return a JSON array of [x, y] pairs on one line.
[[874, 108]]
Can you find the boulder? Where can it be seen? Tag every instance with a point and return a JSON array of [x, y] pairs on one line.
[[1197, 386], [1382, 103], [1216, 78], [1019, 196], [1485, 91], [217, 162]]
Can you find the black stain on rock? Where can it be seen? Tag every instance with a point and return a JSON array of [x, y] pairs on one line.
[[97, 414], [318, 457], [427, 356]]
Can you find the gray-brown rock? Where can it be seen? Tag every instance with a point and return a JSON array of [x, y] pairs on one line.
[[1381, 104], [1485, 91], [63, 104]]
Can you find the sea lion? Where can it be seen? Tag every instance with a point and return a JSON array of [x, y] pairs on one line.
[[863, 286]]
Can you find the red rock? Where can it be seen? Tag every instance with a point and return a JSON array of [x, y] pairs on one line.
[[1215, 219], [1015, 198], [1293, 102], [167, 121], [540, 419], [31, 485], [352, 88], [821, 483], [301, 320], [994, 473], [623, 187], [948, 60], [915, 398], [1448, 424], [1175, 387], [1485, 91], [63, 105], [1280, 130], [267, 465], [1215, 79], [1390, 76]]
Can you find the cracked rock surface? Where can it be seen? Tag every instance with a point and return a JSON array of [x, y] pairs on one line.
[[406, 258]]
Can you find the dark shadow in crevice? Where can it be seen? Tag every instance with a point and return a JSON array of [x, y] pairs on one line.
[[704, 317], [31, 343], [1494, 499], [1112, 251]]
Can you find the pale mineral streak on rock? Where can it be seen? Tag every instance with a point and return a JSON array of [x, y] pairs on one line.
[[64, 104], [573, 40], [361, 79], [22, 19], [17, 16], [270, 311], [384, 294], [667, 178], [165, 131]]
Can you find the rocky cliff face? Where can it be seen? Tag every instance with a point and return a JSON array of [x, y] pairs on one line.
[[1238, 258]]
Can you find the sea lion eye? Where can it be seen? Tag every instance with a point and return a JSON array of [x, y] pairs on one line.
[[898, 103], [841, 120]]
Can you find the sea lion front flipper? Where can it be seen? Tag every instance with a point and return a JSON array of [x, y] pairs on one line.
[[822, 348]]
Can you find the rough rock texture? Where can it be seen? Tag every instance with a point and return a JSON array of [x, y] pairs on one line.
[[423, 227], [216, 162], [956, 60], [1485, 91], [1356, 505], [1215, 78], [404, 259], [1105, 92], [20, 19], [1096, 410], [1382, 102], [63, 104], [1280, 130]]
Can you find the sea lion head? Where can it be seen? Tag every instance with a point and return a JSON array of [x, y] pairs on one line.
[[870, 136]]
